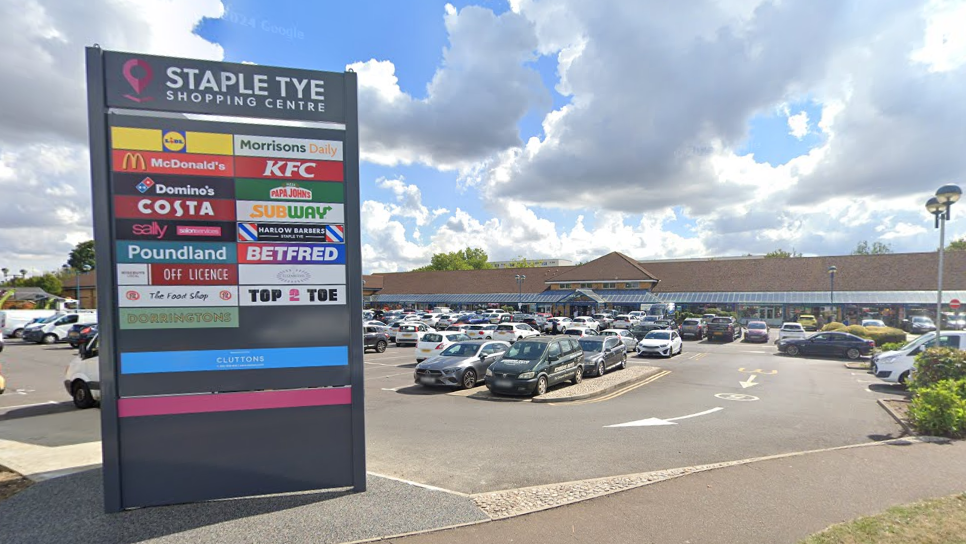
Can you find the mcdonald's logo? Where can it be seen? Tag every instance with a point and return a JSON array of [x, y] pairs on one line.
[[133, 161]]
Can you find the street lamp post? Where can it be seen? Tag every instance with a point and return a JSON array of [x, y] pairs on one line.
[[831, 288], [939, 206], [520, 278]]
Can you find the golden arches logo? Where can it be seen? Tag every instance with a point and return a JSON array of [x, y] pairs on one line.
[[133, 161]]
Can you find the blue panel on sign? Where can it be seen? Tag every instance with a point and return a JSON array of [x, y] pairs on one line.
[[175, 252], [236, 359]]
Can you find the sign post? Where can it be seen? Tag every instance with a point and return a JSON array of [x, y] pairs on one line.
[[229, 266]]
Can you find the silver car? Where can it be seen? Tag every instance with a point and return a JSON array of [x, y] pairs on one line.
[[630, 342], [462, 365]]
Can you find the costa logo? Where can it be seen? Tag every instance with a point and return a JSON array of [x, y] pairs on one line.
[[257, 167], [170, 208], [139, 229], [291, 253], [161, 185], [303, 295], [171, 163]]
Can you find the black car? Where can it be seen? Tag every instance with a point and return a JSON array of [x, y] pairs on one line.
[[531, 366], [602, 353], [918, 324], [376, 339], [840, 344], [78, 335], [640, 331]]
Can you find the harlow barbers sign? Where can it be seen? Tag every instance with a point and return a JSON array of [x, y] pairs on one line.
[[219, 88], [206, 230]]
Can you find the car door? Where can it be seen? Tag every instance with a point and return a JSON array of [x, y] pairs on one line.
[[819, 344], [675, 341], [612, 351], [563, 367], [370, 337], [629, 341], [488, 355]]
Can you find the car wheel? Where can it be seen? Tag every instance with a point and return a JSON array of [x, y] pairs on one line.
[[489, 338], [578, 375], [82, 395], [874, 369], [852, 353], [17, 333], [601, 368], [792, 350], [623, 363], [49, 338], [469, 379], [903, 378], [541, 386], [381, 346], [681, 349]]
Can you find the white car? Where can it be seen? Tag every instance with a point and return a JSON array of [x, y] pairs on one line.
[[445, 320], [897, 366], [411, 333], [580, 331], [663, 343], [431, 320], [373, 323], [562, 324], [625, 335], [790, 331], [586, 321], [873, 323], [433, 343], [511, 332], [481, 332], [82, 378], [623, 321]]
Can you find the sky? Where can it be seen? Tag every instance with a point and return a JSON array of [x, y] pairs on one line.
[[547, 129]]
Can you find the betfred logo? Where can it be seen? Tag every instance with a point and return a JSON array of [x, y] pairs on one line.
[[173, 208], [258, 167], [290, 191], [291, 254], [172, 163]]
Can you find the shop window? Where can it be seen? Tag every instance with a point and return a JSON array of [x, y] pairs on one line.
[[608, 286], [632, 285], [586, 285]]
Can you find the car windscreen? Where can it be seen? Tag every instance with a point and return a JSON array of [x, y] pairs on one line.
[[658, 335], [530, 351], [690, 322], [921, 320], [757, 326], [461, 350], [721, 320], [475, 328], [591, 345], [650, 318], [574, 332], [432, 338], [407, 328], [505, 328]]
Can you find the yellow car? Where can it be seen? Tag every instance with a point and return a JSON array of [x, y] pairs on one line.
[[808, 322]]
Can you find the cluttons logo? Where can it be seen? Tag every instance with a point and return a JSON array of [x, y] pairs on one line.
[[139, 84], [174, 141]]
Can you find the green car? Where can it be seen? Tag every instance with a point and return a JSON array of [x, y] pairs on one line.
[[533, 365]]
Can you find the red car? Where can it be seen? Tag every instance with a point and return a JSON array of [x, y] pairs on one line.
[[756, 331]]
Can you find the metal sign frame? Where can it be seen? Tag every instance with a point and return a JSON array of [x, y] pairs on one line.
[[234, 432]]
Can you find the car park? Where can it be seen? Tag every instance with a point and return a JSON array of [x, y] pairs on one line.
[[376, 338], [918, 324], [756, 331], [791, 331], [82, 377], [829, 343], [628, 339], [410, 333], [808, 321], [532, 366], [896, 366], [462, 364], [663, 343], [602, 353], [56, 331], [481, 332], [513, 332], [692, 328], [580, 331], [433, 343], [587, 321]]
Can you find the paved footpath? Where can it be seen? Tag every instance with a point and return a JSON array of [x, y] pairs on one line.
[[775, 501]]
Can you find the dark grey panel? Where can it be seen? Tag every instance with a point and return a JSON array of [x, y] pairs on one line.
[[197, 457], [175, 383]]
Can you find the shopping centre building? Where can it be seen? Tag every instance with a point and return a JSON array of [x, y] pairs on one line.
[[889, 287]]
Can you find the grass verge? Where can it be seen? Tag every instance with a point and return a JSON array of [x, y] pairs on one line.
[[937, 521], [11, 483]]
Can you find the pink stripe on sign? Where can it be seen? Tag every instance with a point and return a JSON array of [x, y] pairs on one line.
[[231, 402]]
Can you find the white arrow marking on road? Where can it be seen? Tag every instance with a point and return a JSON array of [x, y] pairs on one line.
[[749, 382], [653, 421]]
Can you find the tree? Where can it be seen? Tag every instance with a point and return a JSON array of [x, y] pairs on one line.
[[470, 258], [877, 248], [782, 254], [957, 245], [82, 255], [48, 282]]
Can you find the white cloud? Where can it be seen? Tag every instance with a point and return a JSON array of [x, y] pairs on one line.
[[944, 42], [798, 125]]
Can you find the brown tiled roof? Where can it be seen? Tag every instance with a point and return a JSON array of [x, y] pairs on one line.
[[890, 272], [373, 281], [468, 281], [614, 266]]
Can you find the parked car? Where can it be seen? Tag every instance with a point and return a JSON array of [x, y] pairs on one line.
[[657, 325], [873, 323], [918, 324], [481, 332], [536, 322], [514, 332], [602, 353], [587, 321], [952, 322], [639, 331], [410, 333], [725, 327], [80, 334], [462, 364], [373, 323], [532, 366], [433, 343], [605, 320], [756, 331], [12, 322], [580, 331], [562, 324], [708, 317], [828, 343], [896, 366], [808, 321], [663, 343], [628, 339], [460, 327], [376, 338], [693, 328], [791, 331], [56, 331], [82, 378], [623, 321]]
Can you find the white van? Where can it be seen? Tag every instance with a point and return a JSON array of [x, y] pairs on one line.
[[83, 378], [896, 366], [13, 321], [56, 331]]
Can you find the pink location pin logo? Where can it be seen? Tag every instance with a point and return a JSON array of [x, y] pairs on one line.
[[138, 83]]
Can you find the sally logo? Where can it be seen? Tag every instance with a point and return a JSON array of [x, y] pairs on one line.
[[139, 84], [133, 161]]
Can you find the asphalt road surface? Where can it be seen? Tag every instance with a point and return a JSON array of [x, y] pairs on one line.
[[35, 377]]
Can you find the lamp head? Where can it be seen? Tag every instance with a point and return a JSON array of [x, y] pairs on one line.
[[948, 194], [934, 206], [832, 269]]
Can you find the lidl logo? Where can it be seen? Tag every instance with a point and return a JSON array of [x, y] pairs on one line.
[[145, 185], [174, 141]]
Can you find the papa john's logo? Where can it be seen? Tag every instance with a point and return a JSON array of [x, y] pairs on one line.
[[139, 81]]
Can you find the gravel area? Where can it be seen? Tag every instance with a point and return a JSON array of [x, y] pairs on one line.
[[70, 509], [590, 386]]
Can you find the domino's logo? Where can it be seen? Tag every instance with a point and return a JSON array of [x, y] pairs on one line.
[[145, 185], [247, 232]]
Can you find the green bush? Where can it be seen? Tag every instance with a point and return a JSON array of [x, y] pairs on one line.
[[936, 364], [834, 326], [886, 335], [890, 346], [940, 409], [857, 330]]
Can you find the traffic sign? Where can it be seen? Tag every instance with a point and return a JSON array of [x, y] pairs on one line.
[[954, 304]]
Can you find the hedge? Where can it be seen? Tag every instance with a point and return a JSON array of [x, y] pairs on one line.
[[886, 335], [940, 408], [937, 364], [834, 326]]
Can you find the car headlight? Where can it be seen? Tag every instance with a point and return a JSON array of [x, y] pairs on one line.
[[885, 361], [451, 370], [526, 375], [489, 372]]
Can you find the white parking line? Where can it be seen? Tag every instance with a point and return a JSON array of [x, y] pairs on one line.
[[28, 405]]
